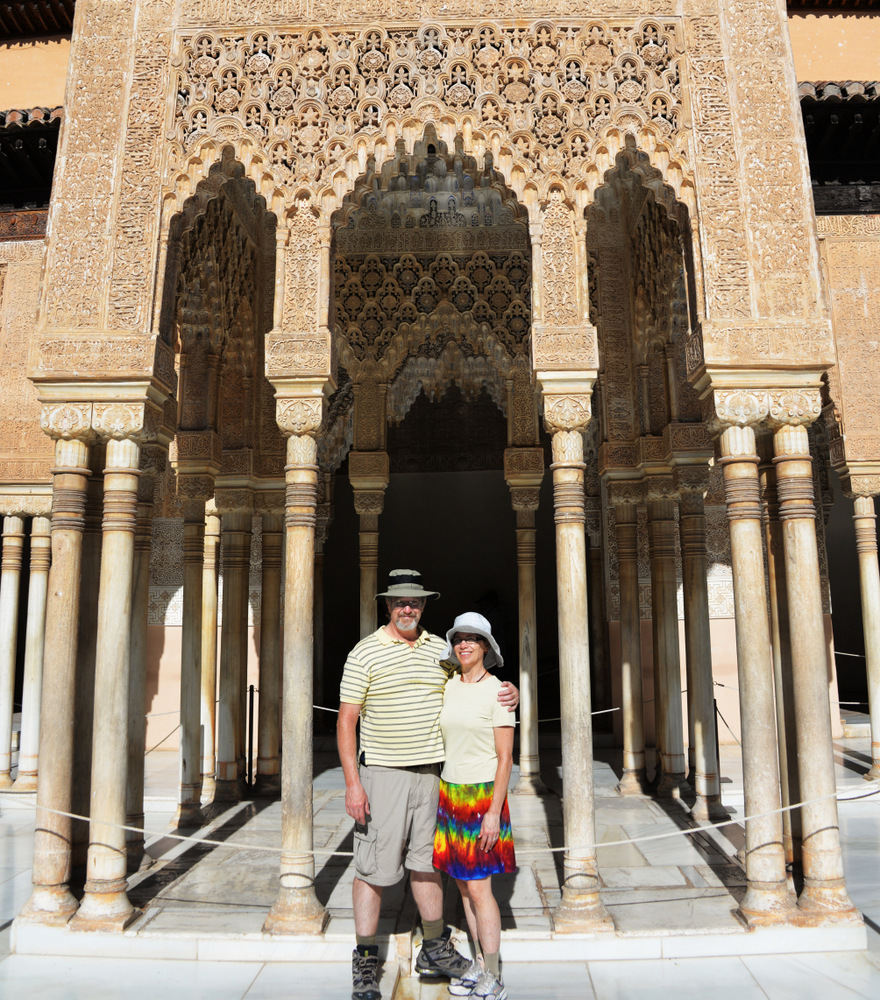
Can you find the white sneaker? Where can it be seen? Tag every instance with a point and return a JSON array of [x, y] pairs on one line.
[[489, 987], [463, 985]]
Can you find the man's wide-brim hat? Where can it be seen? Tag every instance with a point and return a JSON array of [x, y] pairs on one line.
[[406, 583], [471, 623]]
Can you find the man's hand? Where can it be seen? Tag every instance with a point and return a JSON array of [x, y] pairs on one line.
[[508, 696], [356, 803]]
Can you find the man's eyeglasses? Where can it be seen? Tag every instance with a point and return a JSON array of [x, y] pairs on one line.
[[415, 602]]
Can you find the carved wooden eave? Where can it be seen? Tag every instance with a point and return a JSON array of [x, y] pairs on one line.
[[25, 19]]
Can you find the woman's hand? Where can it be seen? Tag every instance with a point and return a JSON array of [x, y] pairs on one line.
[[490, 830]]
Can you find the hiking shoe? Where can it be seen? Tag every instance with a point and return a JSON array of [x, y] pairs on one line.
[[488, 987], [464, 985], [365, 977], [438, 958]]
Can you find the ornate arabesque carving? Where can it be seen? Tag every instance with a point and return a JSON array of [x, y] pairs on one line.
[[550, 95]]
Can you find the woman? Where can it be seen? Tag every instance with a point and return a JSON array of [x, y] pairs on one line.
[[474, 840]]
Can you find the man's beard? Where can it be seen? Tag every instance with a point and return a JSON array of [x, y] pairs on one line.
[[407, 624]]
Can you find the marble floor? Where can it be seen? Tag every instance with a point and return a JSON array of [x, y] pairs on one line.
[[680, 883]]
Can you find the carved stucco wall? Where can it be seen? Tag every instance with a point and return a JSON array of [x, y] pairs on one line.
[[707, 93], [851, 250], [25, 452], [166, 574]]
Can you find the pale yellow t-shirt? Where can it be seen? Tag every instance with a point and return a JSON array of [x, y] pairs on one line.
[[468, 719]]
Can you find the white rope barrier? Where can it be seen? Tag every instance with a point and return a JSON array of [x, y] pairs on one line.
[[690, 831]]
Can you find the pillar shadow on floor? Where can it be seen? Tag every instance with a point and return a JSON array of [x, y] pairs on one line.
[[148, 889]]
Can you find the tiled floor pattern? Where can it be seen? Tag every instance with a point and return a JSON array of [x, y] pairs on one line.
[[684, 882]]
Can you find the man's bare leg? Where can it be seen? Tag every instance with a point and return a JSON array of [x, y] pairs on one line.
[[427, 890], [367, 902]]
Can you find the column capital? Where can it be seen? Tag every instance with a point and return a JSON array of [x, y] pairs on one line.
[[625, 492], [660, 488], [268, 501], [749, 406], [566, 402], [794, 407], [691, 479], [523, 467], [368, 471]]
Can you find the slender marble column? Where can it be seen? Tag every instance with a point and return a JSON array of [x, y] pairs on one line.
[[236, 547], [29, 745], [268, 741], [698, 649], [865, 519], [297, 909], [368, 472], [786, 729], [87, 646], [137, 688], [767, 897], [581, 907], [189, 790], [209, 651], [632, 781], [105, 905], [824, 891], [529, 753], [51, 901], [10, 582], [667, 656]]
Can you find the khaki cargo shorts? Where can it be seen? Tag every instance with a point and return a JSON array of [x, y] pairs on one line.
[[400, 826]]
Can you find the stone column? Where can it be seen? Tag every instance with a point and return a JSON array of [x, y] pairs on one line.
[[189, 790], [781, 648], [698, 650], [368, 473], [672, 763], [137, 688], [297, 909], [105, 905], [268, 742], [208, 712], [566, 413], [523, 471], [29, 743], [322, 526], [236, 553], [865, 519], [767, 897], [632, 781], [824, 891], [10, 581], [51, 901]]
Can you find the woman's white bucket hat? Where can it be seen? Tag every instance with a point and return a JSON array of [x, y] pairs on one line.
[[471, 623]]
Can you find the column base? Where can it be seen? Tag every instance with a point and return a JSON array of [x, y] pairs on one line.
[[267, 785], [633, 782], [189, 816], [530, 784], [6, 779], [52, 905], [107, 910], [708, 808], [227, 790], [827, 902], [767, 904], [580, 913], [208, 786], [296, 911], [874, 773], [672, 785], [25, 782]]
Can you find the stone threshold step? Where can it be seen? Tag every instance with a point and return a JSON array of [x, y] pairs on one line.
[[36, 939]]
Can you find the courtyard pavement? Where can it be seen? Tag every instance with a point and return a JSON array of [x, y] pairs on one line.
[[672, 901]]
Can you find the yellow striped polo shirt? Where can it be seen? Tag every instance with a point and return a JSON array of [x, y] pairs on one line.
[[400, 690]]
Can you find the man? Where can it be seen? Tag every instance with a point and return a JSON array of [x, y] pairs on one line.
[[393, 683]]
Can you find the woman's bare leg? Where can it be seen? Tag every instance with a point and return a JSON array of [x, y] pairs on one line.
[[477, 896]]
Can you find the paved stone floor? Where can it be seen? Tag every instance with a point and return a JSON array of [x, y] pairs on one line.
[[672, 902]]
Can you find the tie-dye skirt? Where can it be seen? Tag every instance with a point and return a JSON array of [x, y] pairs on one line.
[[456, 841]]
